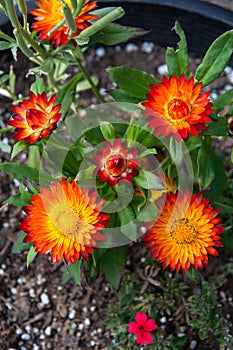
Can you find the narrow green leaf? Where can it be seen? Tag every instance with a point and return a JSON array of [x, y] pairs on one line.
[[112, 263], [232, 155], [149, 213], [20, 172], [85, 85], [75, 271], [19, 245], [31, 256], [177, 60], [216, 59], [66, 94], [4, 45], [128, 227], [114, 34], [206, 172], [133, 81], [34, 157]]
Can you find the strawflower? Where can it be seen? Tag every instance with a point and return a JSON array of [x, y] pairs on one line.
[[175, 107], [142, 328], [35, 118], [116, 162], [49, 14], [65, 221], [185, 233]]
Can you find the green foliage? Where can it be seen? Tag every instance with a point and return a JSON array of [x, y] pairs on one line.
[[177, 60], [133, 81]]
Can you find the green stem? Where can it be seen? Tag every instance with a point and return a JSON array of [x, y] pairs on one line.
[[6, 37], [30, 40], [9, 128], [87, 76]]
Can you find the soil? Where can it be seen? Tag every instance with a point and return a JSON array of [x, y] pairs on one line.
[[36, 310]]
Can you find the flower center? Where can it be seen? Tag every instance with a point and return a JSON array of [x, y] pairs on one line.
[[116, 164], [178, 109], [70, 225], [182, 231]]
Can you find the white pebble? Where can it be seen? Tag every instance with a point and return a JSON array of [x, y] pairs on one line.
[[87, 322], [71, 314], [18, 331], [1, 272], [117, 48], [5, 224], [35, 347], [27, 328], [92, 343], [162, 70], [48, 331], [148, 47], [99, 330], [25, 336], [180, 335], [8, 306], [106, 288], [35, 330], [143, 259], [102, 92], [100, 52], [31, 293], [193, 344], [228, 70], [92, 308], [42, 337], [85, 309], [73, 325], [130, 47], [16, 182], [13, 291], [78, 334], [5, 140], [223, 296], [80, 326], [44, 299], [163, 319], [93, 301], [213, 96], [3, 266]]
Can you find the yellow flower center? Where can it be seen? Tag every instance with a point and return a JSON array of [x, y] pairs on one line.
[[182, 231], [178, 109], [70, 224]]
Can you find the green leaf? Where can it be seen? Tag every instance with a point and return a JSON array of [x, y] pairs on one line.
[[75, 271], [19, 147], [85, 85], [220, 180], [38, 86], [216, 59], [114, 34], [177, 60], [19, 245], [147, 179], [20, 172], [206, 171], [217, 127], [122, 96], [112, 263], [34, 157], [31, 255], [149, 213], [66, 94], [223, 100], [133, 81], [46, 66], [232, 155], [107, 130], [128, 227], [4, 45]]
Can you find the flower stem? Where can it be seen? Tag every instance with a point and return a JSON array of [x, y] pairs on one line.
[[87, 76], [3, 130]]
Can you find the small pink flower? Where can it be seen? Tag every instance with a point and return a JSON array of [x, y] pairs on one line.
[[142, 328]]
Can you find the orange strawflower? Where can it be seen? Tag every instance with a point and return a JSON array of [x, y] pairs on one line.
[[64, 220], [50, 14], [35, 118], [185, 232], [176, 107]]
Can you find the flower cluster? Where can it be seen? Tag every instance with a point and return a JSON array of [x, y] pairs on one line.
[[169, 119]]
